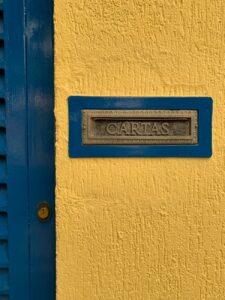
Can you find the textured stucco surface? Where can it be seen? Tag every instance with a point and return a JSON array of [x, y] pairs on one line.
[[140, 228]]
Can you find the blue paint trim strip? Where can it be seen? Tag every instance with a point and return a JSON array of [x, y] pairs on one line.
[[202, 104], [41, 144]]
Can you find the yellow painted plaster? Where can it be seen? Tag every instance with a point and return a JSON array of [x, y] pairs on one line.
[[131, 229]]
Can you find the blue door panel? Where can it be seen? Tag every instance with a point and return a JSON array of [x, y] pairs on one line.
[[27, 246]]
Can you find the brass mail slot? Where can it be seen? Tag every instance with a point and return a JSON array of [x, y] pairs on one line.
[[139, 127]]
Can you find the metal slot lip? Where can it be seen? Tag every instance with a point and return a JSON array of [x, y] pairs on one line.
[[139, 127]]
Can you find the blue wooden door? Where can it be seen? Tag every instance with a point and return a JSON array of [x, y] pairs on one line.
[[27, 243]]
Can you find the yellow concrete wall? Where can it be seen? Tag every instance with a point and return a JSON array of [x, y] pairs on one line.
[[140, 228]]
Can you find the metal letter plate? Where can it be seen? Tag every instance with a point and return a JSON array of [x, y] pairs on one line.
[[139, 127]]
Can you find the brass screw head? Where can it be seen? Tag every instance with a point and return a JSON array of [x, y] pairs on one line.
[[44, 211]]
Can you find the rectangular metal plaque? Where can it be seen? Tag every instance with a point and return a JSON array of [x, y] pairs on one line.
[[139, 127]]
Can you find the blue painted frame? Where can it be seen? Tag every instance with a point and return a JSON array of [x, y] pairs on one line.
[[202, 104], [17, 164], [41, 145], [30, 147]]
